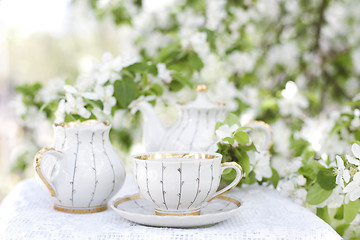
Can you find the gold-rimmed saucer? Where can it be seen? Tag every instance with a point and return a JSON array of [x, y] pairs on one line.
[[137, 209]]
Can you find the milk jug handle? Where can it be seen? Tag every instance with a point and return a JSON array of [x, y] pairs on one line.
[[41, 156]]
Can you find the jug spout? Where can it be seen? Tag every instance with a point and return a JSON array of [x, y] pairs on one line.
[[153, 130]]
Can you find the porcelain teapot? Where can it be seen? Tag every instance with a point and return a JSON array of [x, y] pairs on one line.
[[194, 129]]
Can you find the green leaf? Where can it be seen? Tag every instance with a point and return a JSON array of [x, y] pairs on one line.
[[339, 213], [125, 91], [120, 15], [166, 52], [70, 117], [195, 61], [244, 128], [351, 210], [250, 178], [274, 178], [229, 139], [228, 175], [144, 80], [182, 79], [142, 67], [323, 213], [317, 194], [243, 160], [175, 85], [245, 163], [232, 119], [156, 89], [342, 228], [326, 178], [218, 124], [241, 137]]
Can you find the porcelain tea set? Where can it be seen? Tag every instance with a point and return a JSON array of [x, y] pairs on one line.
[[177, 177]]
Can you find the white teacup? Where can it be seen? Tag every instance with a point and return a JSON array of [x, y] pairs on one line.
[[179, 183]]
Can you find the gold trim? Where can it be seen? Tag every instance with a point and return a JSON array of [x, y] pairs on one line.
[[201, 88], [227, 164], [219, 104], [86, 123], [174, 213], [153, 156], [116, 204], [38, 158], [262, 123], [80, 210], [236, 202]]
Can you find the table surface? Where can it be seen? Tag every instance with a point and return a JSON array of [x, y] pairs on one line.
[[27, 213]]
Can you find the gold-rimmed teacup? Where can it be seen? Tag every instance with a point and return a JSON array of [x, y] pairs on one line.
[[179, 183]]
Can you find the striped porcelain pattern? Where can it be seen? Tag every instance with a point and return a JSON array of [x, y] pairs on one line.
[[193, 131], [178, 184], [89, 172]]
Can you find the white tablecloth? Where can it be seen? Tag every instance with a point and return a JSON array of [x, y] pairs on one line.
[[27, 213]]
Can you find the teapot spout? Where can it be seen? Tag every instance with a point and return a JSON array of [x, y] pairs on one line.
[[153, 130]]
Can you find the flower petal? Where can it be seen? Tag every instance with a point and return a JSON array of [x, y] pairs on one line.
[[352, 160], [355, 195], [109, 90], [70, 89], [346, 175], [339, 162], [356, 150]]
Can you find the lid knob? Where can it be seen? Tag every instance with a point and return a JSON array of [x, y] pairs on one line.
[[201, 88]]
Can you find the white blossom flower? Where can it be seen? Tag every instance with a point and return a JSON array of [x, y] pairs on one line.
[[352, 190], [289, 187], [225, 131], [76, 105], [223, 91], [50, 90], [157, 41], [134, 105], [280, 136], [355, 123], [332, 144], [163, 73], [300, 180], [300, 196], [293, 102], [285, 167], [352, 160], [335, 200], [314, 130], [105, 94], [284, 54], [60, 111], [215, 13], [195, 40], [260, 163], [109, 69], [355, 148], [342, 174], [356, 60], [242, 62]]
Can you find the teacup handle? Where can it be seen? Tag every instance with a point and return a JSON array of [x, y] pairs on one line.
[[38, 158], [239, 175]]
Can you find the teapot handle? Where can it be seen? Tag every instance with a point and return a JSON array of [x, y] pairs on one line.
[[38, 159], [262, 127]]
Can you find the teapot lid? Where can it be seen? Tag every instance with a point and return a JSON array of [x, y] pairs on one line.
[[201, 101]]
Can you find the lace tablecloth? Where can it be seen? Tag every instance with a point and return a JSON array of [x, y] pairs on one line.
[[27, 213]]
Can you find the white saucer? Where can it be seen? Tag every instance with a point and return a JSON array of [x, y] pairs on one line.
[[138, 210]]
